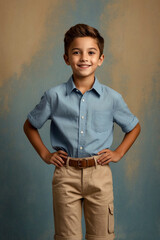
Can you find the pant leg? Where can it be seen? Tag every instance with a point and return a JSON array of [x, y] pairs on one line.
[[67, 203], [98, 203]]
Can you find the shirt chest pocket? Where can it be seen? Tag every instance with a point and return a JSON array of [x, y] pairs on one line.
[[102, 121]]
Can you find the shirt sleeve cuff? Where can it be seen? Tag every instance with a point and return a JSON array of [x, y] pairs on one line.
[[131, 125], [32, 121]]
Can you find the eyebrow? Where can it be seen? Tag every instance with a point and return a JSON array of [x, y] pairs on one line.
[[88, 48]]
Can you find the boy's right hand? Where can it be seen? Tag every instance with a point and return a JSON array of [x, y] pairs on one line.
[[56, 158]]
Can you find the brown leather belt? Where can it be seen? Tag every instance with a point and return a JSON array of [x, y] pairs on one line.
[[80, 163]]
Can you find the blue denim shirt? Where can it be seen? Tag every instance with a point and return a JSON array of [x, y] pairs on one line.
[[82, 124]]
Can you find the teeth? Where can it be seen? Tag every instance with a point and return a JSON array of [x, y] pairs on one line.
[[83, 65]]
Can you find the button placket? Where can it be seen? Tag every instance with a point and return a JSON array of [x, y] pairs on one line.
[[81, 125]]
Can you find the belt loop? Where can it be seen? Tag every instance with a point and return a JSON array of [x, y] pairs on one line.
[[67, 162], [95, 159]]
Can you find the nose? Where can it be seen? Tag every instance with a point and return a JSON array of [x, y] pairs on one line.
[[84, 57]]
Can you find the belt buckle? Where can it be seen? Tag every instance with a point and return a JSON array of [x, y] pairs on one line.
[[79, 163]]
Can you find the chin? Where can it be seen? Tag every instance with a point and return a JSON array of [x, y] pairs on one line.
[[83, 74]]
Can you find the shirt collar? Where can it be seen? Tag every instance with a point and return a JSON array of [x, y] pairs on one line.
[[70, 85], [96, 86]]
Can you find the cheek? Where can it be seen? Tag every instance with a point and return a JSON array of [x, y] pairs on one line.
[[74, 60], [95, 61]]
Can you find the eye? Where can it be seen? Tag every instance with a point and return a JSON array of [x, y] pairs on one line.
[[76, 52], [91, 53]]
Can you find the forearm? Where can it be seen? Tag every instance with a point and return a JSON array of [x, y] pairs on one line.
[[128, 140], [35, 139]]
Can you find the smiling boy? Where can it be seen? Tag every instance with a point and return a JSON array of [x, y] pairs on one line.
[[84, 57], [82, 113]]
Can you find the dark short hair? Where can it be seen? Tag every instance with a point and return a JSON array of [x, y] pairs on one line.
[[82, 30]]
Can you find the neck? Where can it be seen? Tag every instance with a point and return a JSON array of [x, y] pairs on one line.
[[84, 83]]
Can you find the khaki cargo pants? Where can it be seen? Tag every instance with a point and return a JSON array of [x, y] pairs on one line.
[[91, 187]]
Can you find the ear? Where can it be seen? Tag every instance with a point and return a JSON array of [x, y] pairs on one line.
[[101, 60], [66, 59]]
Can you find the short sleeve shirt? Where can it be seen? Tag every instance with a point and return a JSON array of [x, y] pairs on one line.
[[82, 124]]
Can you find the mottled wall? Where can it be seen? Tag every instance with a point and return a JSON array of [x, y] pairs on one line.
[[31, 48]]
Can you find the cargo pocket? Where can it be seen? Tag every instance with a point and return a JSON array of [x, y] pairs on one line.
[[111, 218]]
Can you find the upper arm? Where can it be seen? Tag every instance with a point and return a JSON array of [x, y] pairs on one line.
[[42, 111], [123, 116], [27, 125]]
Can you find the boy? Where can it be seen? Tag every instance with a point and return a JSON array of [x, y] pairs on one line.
[[82, 113]]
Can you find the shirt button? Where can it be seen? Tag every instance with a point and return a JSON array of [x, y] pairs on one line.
[[82, 132], [82, 117], [81, 148], [83, 99]]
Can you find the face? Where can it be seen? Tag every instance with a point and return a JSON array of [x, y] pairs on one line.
[[84, 57]]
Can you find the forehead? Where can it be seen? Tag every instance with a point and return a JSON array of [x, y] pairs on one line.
[[84, 42]]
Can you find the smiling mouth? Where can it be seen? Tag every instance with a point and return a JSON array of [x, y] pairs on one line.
[[83, 65]]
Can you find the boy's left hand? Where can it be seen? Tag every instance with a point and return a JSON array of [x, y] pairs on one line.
[[108, 156]]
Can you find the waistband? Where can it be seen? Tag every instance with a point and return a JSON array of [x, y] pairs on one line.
[[82, 162]]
